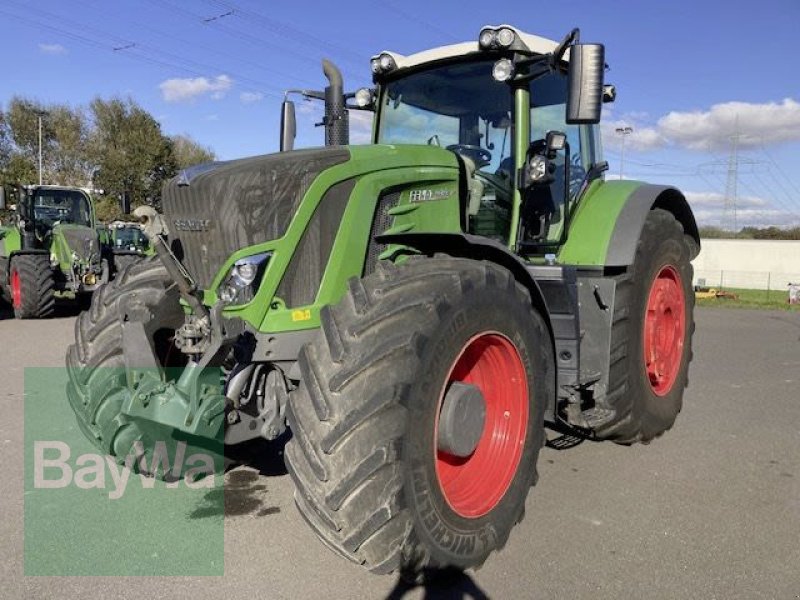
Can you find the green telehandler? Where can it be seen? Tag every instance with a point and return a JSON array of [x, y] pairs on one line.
[[413, 311]]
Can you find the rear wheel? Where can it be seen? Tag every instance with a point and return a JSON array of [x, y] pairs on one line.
[[651, 338], [32, 286], [419, 419]]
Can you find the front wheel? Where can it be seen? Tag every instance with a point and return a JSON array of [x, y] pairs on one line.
[[32, 286], [419, 419]]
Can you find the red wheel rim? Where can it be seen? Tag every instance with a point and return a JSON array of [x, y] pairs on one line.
[[16, 290], [664, 330], [474, 485]]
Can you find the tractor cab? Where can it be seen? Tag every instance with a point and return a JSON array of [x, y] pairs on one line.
[[46, 207], [522, 118]]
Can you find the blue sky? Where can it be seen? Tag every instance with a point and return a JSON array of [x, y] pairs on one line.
[[689, 74]]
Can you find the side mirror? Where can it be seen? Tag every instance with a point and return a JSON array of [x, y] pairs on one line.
[[288, 126], [585, 92]]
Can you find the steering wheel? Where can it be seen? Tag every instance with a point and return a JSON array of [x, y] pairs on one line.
[[480, 156]]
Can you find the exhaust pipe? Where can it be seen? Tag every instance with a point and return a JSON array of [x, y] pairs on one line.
[[337, 128]]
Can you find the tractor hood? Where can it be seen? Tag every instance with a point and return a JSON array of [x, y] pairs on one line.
[[213, 210], [72, 239]]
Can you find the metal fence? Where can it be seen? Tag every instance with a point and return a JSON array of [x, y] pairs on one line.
[[772, 285]]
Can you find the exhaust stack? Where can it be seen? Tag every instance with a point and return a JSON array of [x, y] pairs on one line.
[[337, 127]]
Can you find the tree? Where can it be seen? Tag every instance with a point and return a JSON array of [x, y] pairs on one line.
[[187, 152], [129, 151], [64, 134]]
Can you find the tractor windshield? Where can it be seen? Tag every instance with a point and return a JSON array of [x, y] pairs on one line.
[[456, 106], [129, 237], [61, 206]]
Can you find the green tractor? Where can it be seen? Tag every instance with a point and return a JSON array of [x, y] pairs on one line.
[[128, 243], [413, 311], [51, 249]]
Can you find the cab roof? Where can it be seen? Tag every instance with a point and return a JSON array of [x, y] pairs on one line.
[[534, 43]]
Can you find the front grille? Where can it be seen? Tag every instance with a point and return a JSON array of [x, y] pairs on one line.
[[301, 281], [82, 241], [214, 210], [381, 221]]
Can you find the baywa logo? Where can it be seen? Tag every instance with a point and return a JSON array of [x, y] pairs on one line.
[[52, 468]]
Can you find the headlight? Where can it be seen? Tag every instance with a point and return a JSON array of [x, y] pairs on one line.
[[496, 39], [487, 38], [241, 284], [383, 63], [503, 70], [538, 168], [505, 37], [364, 97]]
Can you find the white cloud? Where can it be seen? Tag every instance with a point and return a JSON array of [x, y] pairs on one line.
[[52, 49], [213, 117], [710, 130], [182, 90], [749, 217], [250, 97], [360, 127], [768, 122], [754, 211], [641, 138], [715, 199]]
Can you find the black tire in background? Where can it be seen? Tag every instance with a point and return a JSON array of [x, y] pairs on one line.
[[649, 373], [97, 384], [370, 479], [120, 261], [32, 286]]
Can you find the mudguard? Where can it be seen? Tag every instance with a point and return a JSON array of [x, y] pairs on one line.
[[606, 225]]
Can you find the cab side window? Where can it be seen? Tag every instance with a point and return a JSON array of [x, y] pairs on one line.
[[548, 113]]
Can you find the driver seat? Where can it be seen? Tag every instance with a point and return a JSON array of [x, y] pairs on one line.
[[475, 185]]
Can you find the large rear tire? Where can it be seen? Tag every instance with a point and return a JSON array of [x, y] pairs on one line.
[[373, 478], [97, 384], [32, 286], [651, 337]]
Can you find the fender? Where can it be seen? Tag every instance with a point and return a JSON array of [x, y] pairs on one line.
[[470, 246], [608, 221]]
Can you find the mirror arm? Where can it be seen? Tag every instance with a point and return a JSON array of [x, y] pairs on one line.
[[573, 37]]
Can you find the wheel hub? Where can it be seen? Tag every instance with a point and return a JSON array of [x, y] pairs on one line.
[[461, 420], [474, 474], [664, 330]]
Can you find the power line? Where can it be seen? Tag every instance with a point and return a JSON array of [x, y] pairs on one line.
[[135, 50], [240, 34], [415, 19], [291, 33], [141, 26]]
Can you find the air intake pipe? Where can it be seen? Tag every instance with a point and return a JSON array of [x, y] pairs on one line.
[[337, 127]]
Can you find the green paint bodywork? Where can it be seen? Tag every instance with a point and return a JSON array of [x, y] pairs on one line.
[[375, 169], [593, 222]]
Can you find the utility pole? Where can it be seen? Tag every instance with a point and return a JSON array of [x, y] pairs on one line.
[[40, 114], [732, 184], [624, 132]]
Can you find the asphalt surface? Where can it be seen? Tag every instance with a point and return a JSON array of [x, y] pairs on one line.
[[711, 510]]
